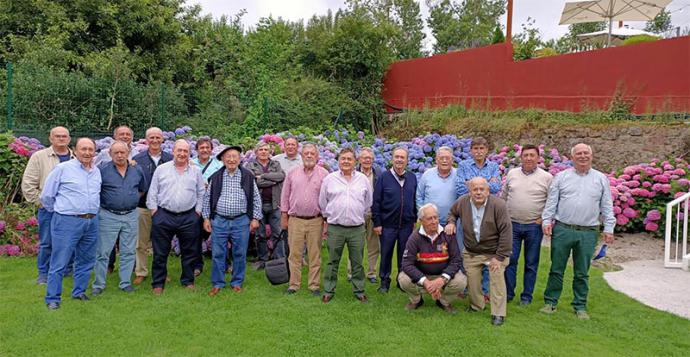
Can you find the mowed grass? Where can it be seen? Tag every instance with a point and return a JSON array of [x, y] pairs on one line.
[[263, 321]]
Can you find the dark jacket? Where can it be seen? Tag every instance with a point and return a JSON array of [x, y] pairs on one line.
[[148, 166], [394, 206], [423, 258], [496, 231], [216, 186], [273, 178]]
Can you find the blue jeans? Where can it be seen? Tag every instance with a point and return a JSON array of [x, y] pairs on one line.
[[44, 247], [272, 218], [237, 232], [71, 235], [532, 235], [111, 226]]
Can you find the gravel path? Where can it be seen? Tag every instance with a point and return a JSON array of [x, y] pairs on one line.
[[648, 282]]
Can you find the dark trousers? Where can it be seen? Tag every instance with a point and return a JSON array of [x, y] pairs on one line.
[[531, 235], [198, 247], [389, 237], [272, 218], [164, 226]]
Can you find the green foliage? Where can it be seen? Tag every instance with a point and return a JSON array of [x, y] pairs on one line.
[[546, 52], [569, 42], [11, 170], [463, 25], [499, 37], [660, 23], [639, 39], [525, 43]]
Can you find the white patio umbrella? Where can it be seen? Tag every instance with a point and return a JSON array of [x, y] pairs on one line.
[[617, 34], [609, 10]]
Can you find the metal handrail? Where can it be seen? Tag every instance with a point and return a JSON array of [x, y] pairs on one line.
[[681, 248]]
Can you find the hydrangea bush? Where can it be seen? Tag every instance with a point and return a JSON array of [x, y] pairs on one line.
[[639, 192]]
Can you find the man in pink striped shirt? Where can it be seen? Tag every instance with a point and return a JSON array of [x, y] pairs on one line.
[[301, 216], [345, 197]]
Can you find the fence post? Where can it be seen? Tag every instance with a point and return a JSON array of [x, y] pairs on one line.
[[10, 109], [161, 106]]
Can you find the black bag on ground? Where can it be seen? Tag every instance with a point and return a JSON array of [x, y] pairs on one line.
[[278, 270]]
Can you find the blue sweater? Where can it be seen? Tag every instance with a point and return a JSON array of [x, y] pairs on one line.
[[394, 206]]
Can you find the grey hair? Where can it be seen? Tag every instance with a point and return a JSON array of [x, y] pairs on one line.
[[308, 144], [123, 126], [478, 180], [153, 129], [572, 150], [407, 153], [261, 144], [420, 212], [119, 142], [367, 149], [444, 148]]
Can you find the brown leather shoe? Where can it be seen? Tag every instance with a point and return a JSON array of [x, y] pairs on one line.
[[237, 289], [414, 305], [138, 280], [327, 298], [190, 287], [214, 292], [157, 291], [447, 308], [363, 299]]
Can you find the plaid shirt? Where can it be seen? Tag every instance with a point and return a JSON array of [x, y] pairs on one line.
[[232, 201]]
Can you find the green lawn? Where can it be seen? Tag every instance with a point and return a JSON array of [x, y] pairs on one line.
[[263, 321]]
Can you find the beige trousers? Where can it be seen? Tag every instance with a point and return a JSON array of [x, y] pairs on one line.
[[144, 242], [373, 248], [301, 232], [497, 288], [450, 291]]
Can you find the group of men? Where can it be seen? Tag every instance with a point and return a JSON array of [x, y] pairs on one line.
[[471, 232]]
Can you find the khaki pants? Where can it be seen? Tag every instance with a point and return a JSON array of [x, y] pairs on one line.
[[373, 248], [450, 291], [301, 232], [497, 289], [144, 242]]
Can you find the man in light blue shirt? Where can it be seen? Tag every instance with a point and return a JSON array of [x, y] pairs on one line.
[[478, 166], [437, 185], [72, 192], [579, 200]]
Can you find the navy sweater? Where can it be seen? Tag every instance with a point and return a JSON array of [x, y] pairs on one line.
[[394, 206]]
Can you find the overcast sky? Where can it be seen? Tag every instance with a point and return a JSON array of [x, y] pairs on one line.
[[546, 13]]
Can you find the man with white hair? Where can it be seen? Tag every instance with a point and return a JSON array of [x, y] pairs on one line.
[[175, 199], [488, 239], [437, 185], [148, 160], [579, 200], [431, 263], [40, 164]]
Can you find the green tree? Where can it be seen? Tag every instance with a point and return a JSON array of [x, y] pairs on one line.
[[468, 24], [569, 42], [659, 24], [499, 37], [525, 43]]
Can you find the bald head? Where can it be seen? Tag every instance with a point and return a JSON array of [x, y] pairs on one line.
[[181, 152], [479, 190], [582, 157]]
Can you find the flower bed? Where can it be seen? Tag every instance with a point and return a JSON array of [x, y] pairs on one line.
[[639, 192]]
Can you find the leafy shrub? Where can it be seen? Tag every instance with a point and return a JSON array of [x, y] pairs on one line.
[[638, 39]]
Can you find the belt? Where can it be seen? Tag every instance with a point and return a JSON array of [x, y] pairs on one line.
[[85, 215], [578, 228], [230, 218], [307, 217], [177, 213], [343, 226], [119, 213]]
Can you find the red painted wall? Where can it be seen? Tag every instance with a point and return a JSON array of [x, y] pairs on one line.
[[657, 74]]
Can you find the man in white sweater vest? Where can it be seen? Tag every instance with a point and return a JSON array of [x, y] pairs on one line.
[[525, 192]]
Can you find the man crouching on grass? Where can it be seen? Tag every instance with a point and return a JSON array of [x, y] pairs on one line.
[[431, 263]]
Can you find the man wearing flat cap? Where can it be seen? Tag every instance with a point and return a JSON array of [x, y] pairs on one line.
[[231, 210]]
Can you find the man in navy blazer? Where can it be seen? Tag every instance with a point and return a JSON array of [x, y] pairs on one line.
[[394, 212]]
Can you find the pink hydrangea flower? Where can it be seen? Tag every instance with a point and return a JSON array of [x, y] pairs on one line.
[[637, 177], [678, 194], [32, 221], [13, 250], [646, 184], [20, 226], [654, 215], [651, 226], [629, 212], [631, 184], [622, 220], [616, 210]]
